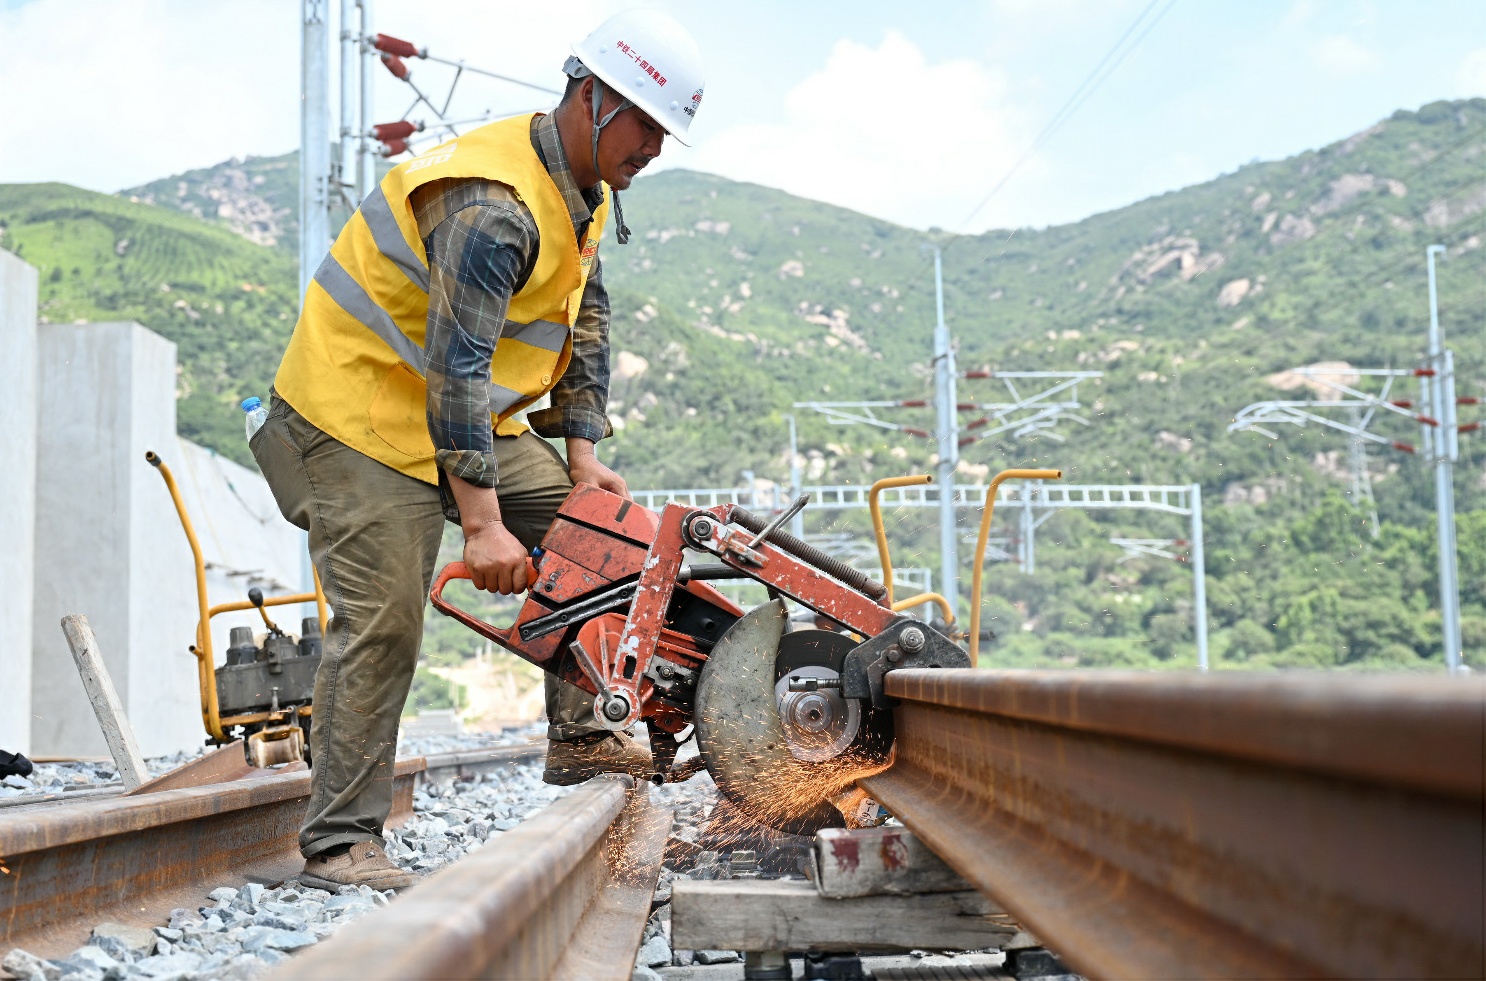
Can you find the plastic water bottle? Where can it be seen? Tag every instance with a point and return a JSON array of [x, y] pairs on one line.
[[257, 414]]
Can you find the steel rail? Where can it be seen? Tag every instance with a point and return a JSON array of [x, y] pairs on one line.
[[132, 859], [564, 895], [1165, 825]]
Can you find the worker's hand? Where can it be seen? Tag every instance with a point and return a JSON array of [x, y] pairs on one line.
[[584, 467], [496, 560]]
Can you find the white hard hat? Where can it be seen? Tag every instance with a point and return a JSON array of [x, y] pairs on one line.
[[647, 57]]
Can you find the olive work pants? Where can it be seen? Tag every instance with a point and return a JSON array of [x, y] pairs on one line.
[[374, 537]]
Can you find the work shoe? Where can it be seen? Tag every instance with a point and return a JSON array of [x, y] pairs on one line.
[[587, 756], [364, 864]]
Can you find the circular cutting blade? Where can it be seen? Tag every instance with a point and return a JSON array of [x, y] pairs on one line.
[[744, 743]]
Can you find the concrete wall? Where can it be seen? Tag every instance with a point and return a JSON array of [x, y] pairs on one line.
[[107, 542], [17, 496]]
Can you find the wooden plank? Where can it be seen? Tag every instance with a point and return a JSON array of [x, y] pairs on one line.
[[106, 705], [879, 861], [788, 914]]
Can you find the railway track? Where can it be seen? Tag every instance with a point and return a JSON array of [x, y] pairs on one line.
[[131, 858], [1141, 825]]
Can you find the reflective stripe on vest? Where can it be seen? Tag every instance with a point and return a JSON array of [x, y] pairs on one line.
[[352, 298]]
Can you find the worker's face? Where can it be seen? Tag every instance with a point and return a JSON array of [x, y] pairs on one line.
[[630, 141]]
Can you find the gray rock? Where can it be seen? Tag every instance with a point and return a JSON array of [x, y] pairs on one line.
[[654, 953], [24, 964], [222, 894], [684, 958], [135, 940], [251, 893], [18, 782], [279, 921], [260, 938], [168, 933], [717, 957], [91, 958], [185, 918], [643, 973], [174, 966]]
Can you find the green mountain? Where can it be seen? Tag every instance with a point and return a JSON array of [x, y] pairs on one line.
[[734, 301]]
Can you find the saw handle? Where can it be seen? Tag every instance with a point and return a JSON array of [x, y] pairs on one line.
[[458, 570]]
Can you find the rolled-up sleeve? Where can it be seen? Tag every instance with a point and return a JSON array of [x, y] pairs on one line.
[[580, 399], [478, 258]]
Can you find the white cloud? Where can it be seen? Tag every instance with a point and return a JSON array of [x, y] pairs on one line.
[[1470, 77], [111, 93], [1343, 55], [884, 131]]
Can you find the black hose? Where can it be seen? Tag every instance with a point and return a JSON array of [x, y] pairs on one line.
[[806, 552]]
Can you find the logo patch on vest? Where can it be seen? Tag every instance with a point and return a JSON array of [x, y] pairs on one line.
[[438, 155], [585, 258]]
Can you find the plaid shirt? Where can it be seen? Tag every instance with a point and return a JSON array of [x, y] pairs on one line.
[[482, 247]]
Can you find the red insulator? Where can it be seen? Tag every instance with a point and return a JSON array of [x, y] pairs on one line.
[[1403, 403], [396, 46], [1468, 427], [967, 440], [1467, 400], [393, 147], [1423, 372], [966, 406], [401, 130], [915, 432], [395, 66], [1403, 447], [982, 421], [1428, 421], [914, 404], [980, 373]]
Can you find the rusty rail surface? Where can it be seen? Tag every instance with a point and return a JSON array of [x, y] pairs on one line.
[[132, 859], [1164, 826], [564, 895], [471, 762]]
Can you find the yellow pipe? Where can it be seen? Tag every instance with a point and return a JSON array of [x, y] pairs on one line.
[[320, 603], [205, 660], [912, 601], [878, 487], [210, 717], [984, 538]]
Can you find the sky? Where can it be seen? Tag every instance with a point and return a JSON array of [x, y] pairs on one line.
[[912, 112]]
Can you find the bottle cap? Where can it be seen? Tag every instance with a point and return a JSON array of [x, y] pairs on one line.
[[252, 402]]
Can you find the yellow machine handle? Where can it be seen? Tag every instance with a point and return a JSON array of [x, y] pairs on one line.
[[211, 716], [912, 480], [984, 538]]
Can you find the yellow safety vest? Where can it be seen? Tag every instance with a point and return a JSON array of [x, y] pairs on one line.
[[354, 366]]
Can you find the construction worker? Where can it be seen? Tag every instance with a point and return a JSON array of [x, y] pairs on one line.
[[465, 288]]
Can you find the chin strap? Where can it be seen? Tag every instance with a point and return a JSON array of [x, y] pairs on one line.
[[621, 230]]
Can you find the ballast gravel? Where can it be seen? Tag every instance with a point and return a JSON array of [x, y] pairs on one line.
[[75, 775]]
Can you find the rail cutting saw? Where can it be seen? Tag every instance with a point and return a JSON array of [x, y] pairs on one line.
[[785, 714]]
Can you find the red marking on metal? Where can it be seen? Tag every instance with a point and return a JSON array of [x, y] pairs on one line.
[[894, 852], [396, 46], [1404, 447], [647, 612], [846, 854]]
